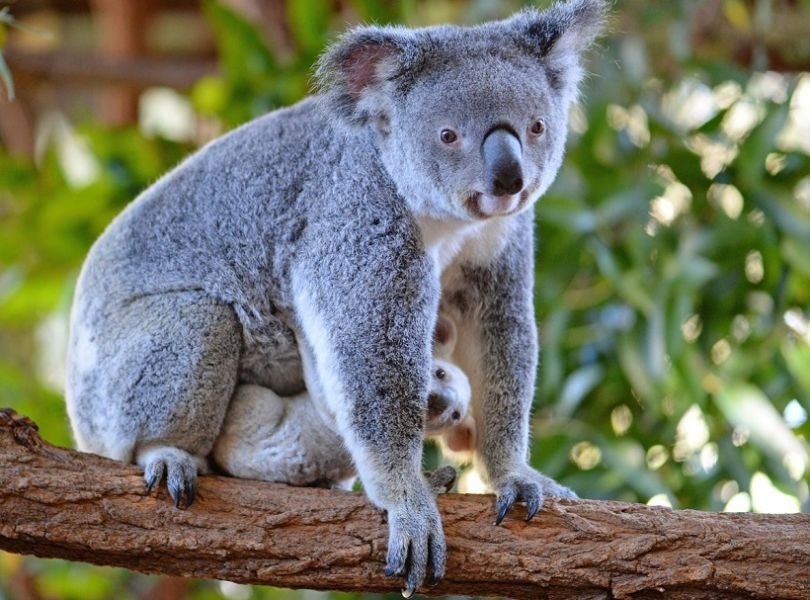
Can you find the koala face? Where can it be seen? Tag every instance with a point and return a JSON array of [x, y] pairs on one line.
[[487, 134], [470, 121], [448, 399]]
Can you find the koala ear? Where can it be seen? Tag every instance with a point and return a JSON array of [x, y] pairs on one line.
[[357, 73], [444, 336], [560, 35]]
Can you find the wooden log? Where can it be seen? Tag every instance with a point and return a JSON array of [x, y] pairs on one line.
[[61, 503]]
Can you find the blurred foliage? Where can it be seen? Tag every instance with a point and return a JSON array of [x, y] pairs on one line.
[[673, 264]]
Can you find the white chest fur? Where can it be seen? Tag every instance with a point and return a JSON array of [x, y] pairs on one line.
[[448, 242]]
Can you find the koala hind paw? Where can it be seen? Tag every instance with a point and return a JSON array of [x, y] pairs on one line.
[[179, 468]]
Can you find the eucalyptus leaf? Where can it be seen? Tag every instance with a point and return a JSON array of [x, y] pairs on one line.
[[747, 407]]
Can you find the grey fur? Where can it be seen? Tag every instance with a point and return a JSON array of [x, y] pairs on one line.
[[294, 440], [330, 229]]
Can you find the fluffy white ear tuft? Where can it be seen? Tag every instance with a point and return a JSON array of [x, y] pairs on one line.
[[356, 72], [560, 35]]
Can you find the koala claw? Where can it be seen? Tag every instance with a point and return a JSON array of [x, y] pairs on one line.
[[416, 545], [505, 501], [153, 474], [180, 472], [529, 487]]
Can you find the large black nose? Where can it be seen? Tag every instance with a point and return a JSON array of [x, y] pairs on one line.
[[502, 154], [508, 181], [437, 404]]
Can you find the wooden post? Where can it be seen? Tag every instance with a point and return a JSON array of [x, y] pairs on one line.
[[122, 34]]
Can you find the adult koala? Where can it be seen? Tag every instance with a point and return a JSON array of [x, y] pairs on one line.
[[331, 228]]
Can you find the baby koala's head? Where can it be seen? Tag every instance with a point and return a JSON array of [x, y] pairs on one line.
[[448, 398], [449, 395]]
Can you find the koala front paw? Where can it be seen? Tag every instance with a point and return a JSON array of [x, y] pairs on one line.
[[416, 542], [529, 486]]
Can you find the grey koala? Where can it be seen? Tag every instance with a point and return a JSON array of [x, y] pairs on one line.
[[332, 229], [294, 439]]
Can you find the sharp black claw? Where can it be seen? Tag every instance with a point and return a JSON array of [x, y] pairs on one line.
[[502, 510], [191, 493], [150, 484], [532, 506], [176, 492], [433, 580]]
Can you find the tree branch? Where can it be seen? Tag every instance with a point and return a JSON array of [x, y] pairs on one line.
[[60, 503]]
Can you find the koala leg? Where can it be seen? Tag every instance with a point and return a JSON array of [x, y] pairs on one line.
[[159, 395], [271, 438], [373, 369], [497, 348]]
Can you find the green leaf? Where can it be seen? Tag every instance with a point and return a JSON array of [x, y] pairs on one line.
[[750, 162], [797, 254], [627, 458], [779, 206], [242, 50], [309, 23], [210, 95], [576, 387], [747, 407], [380, 12], [797, 358]]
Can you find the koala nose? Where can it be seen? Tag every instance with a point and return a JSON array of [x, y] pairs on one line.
[[508, 182], [437, 404], [502, 154]]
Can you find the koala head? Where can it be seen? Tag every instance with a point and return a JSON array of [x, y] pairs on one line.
[[445, 335], [448, 397], [469, 121]]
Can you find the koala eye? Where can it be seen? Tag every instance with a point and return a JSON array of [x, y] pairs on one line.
[[448, 136], [538, 127], [440, 373]]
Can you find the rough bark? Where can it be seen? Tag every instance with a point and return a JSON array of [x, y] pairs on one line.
[[60, 503]]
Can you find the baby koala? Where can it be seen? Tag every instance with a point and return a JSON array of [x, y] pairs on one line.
[[292, 440], [456, 437]]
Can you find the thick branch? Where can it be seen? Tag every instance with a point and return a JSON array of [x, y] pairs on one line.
[[59, 503]]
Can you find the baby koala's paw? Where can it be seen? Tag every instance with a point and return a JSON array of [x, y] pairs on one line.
[[178, 466], [448, 398], [441, 480]]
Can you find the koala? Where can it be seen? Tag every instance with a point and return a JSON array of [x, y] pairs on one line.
[[327, 233], [457, 436], [293, 440]]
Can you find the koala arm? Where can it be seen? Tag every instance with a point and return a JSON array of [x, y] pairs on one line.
[[498, 313], [366, 310]]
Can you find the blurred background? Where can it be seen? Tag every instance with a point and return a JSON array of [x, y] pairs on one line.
[[673, 258]]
